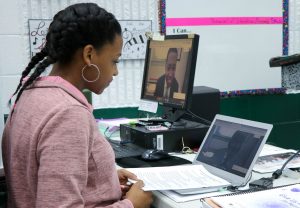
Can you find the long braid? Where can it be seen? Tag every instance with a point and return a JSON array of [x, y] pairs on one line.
[[41, 67], [71, 29], [34, 61]]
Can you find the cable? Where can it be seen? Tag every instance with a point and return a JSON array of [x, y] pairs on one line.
[[278, 172], [111, 131], [202, 119], [265, 183], [236, 188], [185, 149]]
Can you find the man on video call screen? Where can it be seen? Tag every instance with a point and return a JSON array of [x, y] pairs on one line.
[[167, 84], [167, 75]]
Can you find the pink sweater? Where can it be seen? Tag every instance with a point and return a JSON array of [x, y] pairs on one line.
[[53, 153]]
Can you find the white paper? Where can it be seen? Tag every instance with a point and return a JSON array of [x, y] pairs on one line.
[[134, 38], [270, 163], [272, 158], [184, 198], [177, 177], [271, 150], [280, 197], [115, 122], [148, 106]]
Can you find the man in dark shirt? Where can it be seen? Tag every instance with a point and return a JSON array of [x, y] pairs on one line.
[[167, 84]]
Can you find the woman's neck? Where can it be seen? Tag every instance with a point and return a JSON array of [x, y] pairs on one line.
[[69, 73]]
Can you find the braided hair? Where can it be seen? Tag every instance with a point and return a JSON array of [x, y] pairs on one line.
[[71, 29]]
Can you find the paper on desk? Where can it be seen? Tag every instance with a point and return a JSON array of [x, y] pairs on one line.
[[280, 197], [272, 158], [184, 198], [270, 163], [271, 150], [110, 127], [177, 177], [114, 122]]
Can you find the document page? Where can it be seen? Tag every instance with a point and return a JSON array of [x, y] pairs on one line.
[[177, 177], [270, 163], [273, 198], [269, 149]]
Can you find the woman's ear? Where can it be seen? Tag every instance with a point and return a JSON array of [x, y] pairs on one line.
[[87, 54]]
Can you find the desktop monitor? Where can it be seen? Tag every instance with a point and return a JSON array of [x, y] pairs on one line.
[[169, 72]]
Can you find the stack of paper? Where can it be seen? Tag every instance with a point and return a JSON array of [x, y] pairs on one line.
[[111, 127], [272, 158], [287, 196], [178, 177]]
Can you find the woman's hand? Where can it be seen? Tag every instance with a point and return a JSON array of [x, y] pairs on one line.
[[138, 197], [124, 175]]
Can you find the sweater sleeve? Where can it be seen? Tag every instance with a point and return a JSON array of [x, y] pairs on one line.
[[62, 153]]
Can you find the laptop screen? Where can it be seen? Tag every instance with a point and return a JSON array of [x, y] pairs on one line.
[[232, 146]]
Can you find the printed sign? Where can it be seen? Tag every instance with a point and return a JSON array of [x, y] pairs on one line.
[[133, 32], [134, 38], [38, 29]]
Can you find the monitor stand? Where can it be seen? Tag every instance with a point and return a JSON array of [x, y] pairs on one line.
[[174, 116]]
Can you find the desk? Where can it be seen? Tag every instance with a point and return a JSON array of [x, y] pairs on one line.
[[162, 201]]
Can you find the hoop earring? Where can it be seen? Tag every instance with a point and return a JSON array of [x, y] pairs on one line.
[[85, 79]]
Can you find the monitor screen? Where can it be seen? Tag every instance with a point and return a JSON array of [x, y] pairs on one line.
[[170, 69]]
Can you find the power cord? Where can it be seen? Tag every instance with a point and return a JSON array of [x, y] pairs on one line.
[[278, 172], [109, 131], [265, 183], [236, 188], [198, 117]]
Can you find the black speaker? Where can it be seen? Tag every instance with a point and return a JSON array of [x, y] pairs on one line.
[[205, 103]]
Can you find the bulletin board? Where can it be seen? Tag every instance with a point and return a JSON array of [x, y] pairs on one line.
[[237, 40]]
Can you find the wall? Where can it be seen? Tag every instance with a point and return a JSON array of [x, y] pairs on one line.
[[15, 52]]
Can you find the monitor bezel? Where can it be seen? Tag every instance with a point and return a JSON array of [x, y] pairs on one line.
[[191, 64]]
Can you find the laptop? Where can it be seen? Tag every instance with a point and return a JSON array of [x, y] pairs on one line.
[[230, 149]]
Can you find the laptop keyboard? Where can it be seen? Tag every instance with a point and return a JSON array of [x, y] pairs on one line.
[[126, 150]]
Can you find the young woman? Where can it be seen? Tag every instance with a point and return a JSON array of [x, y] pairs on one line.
[[53, 153]]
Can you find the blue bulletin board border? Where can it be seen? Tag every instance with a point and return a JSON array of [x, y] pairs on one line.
[[162, 16], [268, 91], [285, 27], [285, 49]]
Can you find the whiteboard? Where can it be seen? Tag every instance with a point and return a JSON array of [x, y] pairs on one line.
[[237, 39]]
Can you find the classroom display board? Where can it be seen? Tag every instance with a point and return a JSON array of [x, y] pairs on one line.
[[237, 40]]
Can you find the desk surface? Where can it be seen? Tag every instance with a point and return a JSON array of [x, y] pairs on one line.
[[162, 201]]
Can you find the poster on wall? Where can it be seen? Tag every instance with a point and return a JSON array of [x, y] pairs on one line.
[[133, 33], [134, 38], [38, 29]]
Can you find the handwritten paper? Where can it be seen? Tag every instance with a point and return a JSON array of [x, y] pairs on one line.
[[38, 29], [148, 106]]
